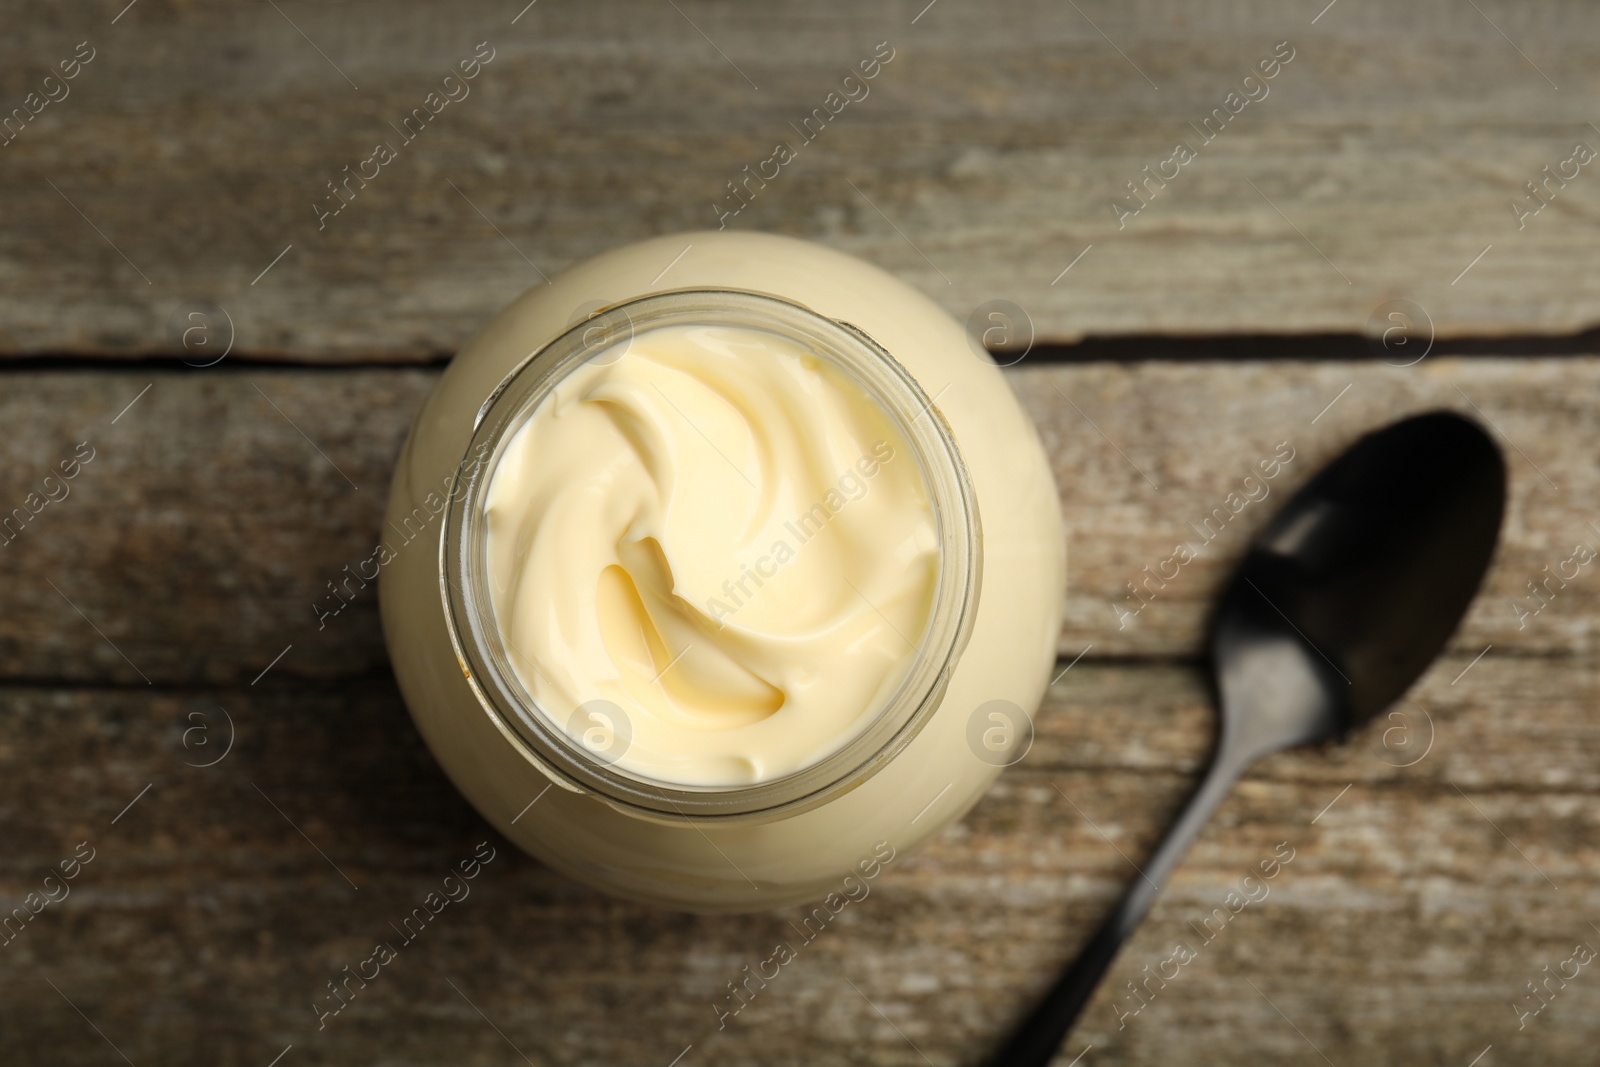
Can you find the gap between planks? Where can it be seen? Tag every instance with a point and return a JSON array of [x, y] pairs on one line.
[[1126, 348]]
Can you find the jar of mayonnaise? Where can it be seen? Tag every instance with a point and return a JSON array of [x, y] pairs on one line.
[[724, 566]]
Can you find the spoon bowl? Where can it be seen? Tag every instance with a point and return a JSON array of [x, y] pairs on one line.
[[1353, 589]]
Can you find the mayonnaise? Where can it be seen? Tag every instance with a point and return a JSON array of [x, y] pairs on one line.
[[610, 491], [718, 536]]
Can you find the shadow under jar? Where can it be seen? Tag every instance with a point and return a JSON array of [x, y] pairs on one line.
[[742, 809]]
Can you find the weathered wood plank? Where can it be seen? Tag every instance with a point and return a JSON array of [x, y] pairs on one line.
[[1384, 159], [1179, 439], [197, 540], [1400, 931]]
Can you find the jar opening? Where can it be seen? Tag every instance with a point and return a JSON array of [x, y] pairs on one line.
[[486, 657]]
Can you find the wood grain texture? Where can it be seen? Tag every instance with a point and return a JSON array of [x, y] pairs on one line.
[[143, 608], [192, 548], [1400, 931], [1381, 163]]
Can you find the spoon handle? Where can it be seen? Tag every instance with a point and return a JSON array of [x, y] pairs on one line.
[[1036, 1041]]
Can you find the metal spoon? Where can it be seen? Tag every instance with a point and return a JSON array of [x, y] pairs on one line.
[[1344, 600]]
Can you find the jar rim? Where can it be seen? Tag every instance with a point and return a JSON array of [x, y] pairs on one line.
[[468, 607]]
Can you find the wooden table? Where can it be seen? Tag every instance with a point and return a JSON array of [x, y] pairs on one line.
[[160, 607]]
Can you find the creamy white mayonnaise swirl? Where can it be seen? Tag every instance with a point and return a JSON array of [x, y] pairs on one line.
[[721, 535]]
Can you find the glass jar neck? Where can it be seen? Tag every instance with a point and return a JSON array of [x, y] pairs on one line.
[[478, 640]]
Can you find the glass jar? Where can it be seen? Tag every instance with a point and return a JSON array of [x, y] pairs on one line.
[[920, 760]]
